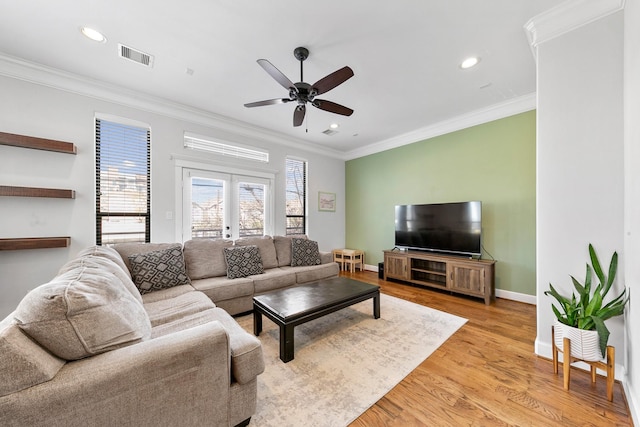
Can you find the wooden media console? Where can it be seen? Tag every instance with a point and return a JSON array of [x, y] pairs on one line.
[[474, 277]]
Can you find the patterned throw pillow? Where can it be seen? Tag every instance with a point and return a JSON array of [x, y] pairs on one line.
[[304, 252], [243, 261], [157, 270]]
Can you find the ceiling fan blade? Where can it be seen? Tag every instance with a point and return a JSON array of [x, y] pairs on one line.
[[334, 79], [267, 102], [298, 115], [276, 74], [332, 107]]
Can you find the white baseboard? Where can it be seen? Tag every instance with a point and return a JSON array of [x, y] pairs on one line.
[[516, 296], [632, 401]]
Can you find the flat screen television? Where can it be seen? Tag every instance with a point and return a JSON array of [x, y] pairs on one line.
[[450, 228]]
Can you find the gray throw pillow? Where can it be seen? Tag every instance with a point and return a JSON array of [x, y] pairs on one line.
[[304, 252], [161, 269], [243, 261]]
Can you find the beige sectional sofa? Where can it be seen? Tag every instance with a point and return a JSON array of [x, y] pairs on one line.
[[100, 346]]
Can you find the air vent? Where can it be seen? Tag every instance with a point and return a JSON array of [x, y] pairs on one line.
[[330, 132], [135, 55]]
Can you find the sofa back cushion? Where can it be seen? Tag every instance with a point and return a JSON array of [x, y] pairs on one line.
[[205, 257], [266, 248], [105, 252], [23, 362], [283, 248], [118, 270], [83, 312]]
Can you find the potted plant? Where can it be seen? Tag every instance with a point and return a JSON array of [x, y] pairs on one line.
[[587, 312]]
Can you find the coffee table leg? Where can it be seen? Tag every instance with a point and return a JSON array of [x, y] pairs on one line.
[[376, 306], [257, 322], [286, 343]]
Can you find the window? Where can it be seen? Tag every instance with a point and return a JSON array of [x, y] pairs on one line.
[[123, 183], [296, 196]]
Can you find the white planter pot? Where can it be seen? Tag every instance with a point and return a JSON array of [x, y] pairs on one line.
[[584, 344]]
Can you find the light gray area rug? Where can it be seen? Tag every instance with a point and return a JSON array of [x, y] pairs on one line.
[[345, 362]]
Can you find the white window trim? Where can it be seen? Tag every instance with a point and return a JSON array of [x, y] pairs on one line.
[[224, 148]]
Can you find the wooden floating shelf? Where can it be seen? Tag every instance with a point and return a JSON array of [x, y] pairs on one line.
[[7, 190], [37, 143], [34, 243]]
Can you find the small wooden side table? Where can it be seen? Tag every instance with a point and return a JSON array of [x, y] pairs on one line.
[[349, 259]]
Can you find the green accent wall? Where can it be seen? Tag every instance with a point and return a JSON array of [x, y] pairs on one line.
[[492, 162]]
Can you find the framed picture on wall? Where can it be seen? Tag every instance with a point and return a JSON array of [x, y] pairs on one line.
[[326, 201]]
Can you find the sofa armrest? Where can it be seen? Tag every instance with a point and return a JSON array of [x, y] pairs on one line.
[[177, 379], [326, 257]]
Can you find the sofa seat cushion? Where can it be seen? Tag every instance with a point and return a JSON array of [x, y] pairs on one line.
[[23, 363], [205, 257], [316, 272], [168, 293], [83, 312], [169, 309], [223, 288], [266, 247], [274, 278], [181, 323]]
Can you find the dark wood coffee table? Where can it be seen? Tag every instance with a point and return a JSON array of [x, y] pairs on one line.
[[294, 306]]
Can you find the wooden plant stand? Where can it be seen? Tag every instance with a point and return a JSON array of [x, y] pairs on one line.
[[609, 365]]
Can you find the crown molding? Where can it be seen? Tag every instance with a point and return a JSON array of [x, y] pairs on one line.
[[20, 69], [50, 77], [494, 112], [566, 17]]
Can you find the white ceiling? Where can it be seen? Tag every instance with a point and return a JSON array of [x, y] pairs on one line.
[[405, 56]]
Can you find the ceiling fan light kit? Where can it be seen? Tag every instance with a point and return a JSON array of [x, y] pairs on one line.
[[303, 93]]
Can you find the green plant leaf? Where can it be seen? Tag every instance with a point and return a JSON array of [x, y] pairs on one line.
[[576, 284], [594, 305], [613, 268], [596, 263], [603, 334]]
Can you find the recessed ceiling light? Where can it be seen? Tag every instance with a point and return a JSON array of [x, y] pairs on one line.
[[94, 35], [334, 126], [470, 62]]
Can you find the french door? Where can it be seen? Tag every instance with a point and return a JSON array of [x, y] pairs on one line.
[[225, 205]]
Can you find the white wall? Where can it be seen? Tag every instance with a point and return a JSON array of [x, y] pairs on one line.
[[580, 167], [632, 199], [39, 110]]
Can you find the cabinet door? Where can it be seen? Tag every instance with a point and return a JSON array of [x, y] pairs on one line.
[[396, 267], [467, 279]]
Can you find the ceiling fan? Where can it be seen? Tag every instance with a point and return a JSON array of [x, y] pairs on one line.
[[303, 93]]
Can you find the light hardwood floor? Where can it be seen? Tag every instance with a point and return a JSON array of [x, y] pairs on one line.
[[487, 374]]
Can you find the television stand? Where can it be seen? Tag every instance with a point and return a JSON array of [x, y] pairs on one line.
[[474, 277]]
